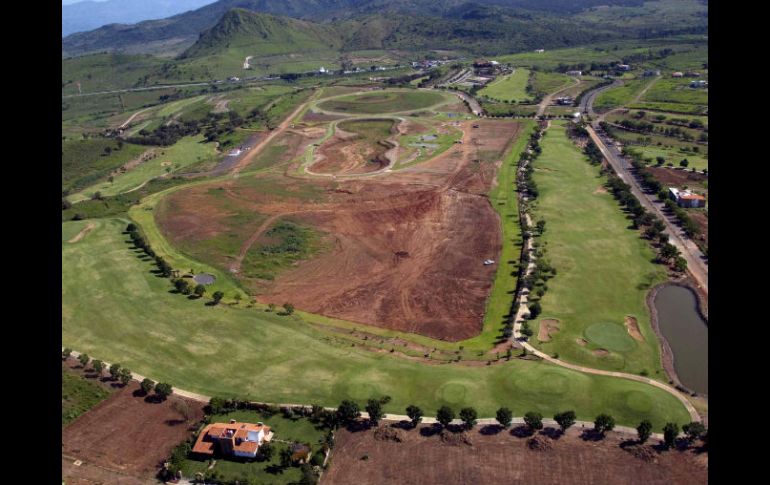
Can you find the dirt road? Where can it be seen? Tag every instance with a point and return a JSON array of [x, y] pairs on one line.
[[547, 99]]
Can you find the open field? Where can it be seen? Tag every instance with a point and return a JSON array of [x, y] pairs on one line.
[[678, 91], [604, 269], [437, 225], [78, 394], [544, 83], [109, 295], [512, 87], [378, 102], [165, 160], [499, 457], [619, 96], [125, 439], [83, 162]]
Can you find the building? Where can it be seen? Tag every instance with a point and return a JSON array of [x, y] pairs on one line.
[[322, 70], [692, 74], [623, 67], [234, 439], [300, 453], [652, 72], [686, 198], [539, 51], [677, 74], [564, 101], [700, 83], [574, 73]]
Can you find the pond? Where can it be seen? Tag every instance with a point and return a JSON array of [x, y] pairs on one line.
[[204, 278], [686, 333]]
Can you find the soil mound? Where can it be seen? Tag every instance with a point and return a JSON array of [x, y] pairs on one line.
[[642, 452], [540, 443], [455, 439], [388, 434]]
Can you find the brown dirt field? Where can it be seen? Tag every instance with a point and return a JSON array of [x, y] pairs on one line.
[[311, 117], [344, 153], [703, 223], [392, 240], [503, 458], [632, 326], [678, 178], [547, 328], [126, 436], [83, 232]]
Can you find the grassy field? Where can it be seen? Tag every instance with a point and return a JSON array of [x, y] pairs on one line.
[[299, 430], [678, 92], [380, 102], [512, 87], [116, 309], [673, 155], [604, 269], [83, 162], [544, 83], [185, 152], [78, 395], [619, 96]]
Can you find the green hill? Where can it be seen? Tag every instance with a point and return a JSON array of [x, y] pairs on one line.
[[262, 35]]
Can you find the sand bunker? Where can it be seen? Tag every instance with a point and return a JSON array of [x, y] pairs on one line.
[[601, 352], [581, 341], [600, 190], [547, 328], [82, 233], [633, 328]]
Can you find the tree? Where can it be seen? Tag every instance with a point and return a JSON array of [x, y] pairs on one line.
[[534, 310], [565, 420], [199, 290], [533, 420], [131, 227], [445, 415], [684, 163], [347, 412], [217, 296], [694, 430], [644, 430], [469, 416], [115, 371], [182, 285], [271, 307], [540, 226], [604, 423], [415, 414], [668, 251], [670, 432], [98, 366], [163, 390], [66, 353], [374, 408], [504, 416], [266, 451], [285, 458], [147, 385], [83, 358], [660, 160], [526, 330], [288, 308], [125, 376], [680, 264]]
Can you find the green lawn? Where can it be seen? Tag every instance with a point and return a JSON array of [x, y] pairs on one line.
[[604, 268], [619, 96], [187, 151], [78, 395], [294, 430], [380, 102], [115, 309], [512, 87], [544, 83]]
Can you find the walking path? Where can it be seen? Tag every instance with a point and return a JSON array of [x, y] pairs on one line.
[[387, 417]]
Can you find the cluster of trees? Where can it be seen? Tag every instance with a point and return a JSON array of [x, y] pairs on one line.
[[526, 183], [163, 267], [184, 287], [689, 226]]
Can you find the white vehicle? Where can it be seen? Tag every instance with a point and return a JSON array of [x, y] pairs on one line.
[[487, 262]]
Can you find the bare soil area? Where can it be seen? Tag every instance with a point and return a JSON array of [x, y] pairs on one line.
[[678, 178], [125, 439], [83, 232], [632, 326], [392, 240], [492, 455], [547, 328]]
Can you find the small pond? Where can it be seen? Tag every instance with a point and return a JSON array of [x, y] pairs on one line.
[[204, 278]]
